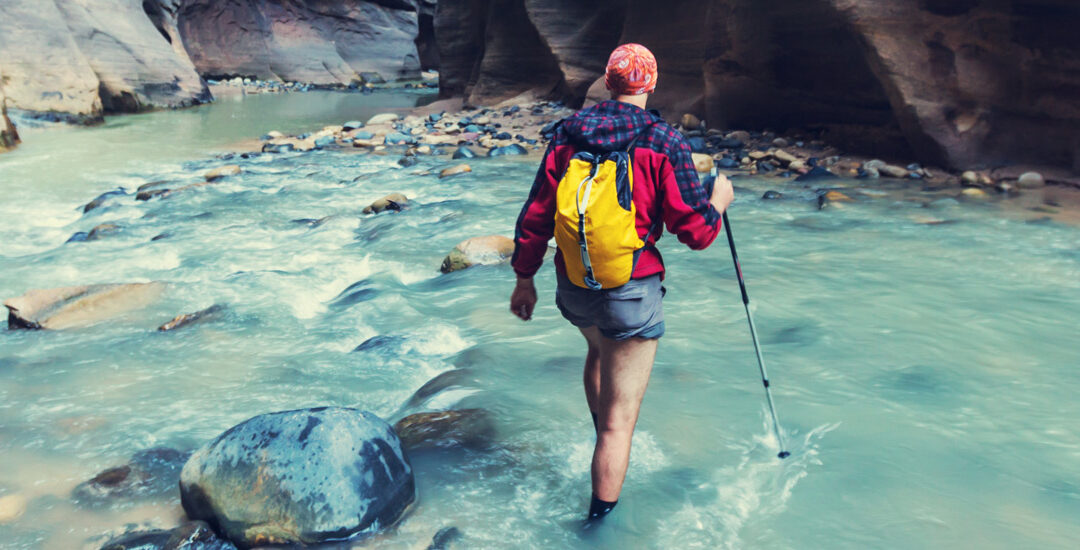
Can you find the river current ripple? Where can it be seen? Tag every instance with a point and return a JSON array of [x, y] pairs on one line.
[[925, 374]]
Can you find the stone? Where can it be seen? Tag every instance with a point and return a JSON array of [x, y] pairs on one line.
[[780, 142], [12, 507], [833, 197], [149, 473], [104, 230], [278, 147], [324, 141], [785, 158], [188, 319], [196, 535], [514, 149], [772, 195], [740, 135], [372, 77], [702, 163], [423, 150], [455, 170], [973, 193], [100, 200], [154, 539], [758, 155], [488, 250], [352, 125], [798, 166], [382, 118], [399, 138], [78, 306], [223, 172], [472, 428], [393, 202], [1029, 180], [306, 477], [147, 195], [727, 162], [408, 161], [690, 122], [698, 144], [77, 237], [969, 178], [445, 538], [893, 171], [273, 134]]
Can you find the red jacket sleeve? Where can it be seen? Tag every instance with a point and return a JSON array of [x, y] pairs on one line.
[[687, 210], [536, 223]]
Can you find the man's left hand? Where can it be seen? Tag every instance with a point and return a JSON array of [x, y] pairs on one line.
[[523, 299]]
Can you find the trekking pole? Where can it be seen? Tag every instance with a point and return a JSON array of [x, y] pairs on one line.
[[753, 335]]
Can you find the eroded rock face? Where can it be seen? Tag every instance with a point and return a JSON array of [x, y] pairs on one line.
[[313, 41], [9, 138], [77, 59], [78, 306], [960, 84], [304, 476]]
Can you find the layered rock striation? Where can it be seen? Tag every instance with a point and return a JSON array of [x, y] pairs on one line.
[[964, 84]]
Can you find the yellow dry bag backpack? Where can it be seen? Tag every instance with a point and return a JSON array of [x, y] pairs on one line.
[[595, 218]]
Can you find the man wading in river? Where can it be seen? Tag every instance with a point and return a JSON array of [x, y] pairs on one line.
[[606, 218]]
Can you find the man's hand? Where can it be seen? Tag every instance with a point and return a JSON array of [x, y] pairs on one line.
[[722, 193], [523, 300]]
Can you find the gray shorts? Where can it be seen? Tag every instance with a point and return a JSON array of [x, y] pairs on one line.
[[634, 310]]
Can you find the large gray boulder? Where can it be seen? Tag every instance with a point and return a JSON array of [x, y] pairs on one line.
[[304, 476]]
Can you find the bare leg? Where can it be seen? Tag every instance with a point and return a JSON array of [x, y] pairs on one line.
[[592, 368], [624, 374]]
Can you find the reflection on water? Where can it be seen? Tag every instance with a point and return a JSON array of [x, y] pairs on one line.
[[925, 374]]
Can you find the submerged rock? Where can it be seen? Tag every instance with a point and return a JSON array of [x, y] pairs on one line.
[[188, 319], [12, 507], [831, 197], [393, 202], [772, 195], [151, 472], [102, 231], [488, 250], [473, 428], [192, 535], [455, 170], [100, 200], [77, 306], [223, 172], [305, 476], [445, 538], [816, 173]]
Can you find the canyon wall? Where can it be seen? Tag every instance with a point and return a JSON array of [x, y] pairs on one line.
[[75, 60], [958, 83]]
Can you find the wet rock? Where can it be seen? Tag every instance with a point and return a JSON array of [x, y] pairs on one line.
[[690, 122], [969, 178], [765, 166], [1029, 180], [196, 535], [728, 163], [758, 155], [77, 237], [780, 142], [741, 135], [974, 193], [276, 148], [380, 342], [352, 125], [445, 538], [382, 118], [12, 507], [324, 141], [393, 202], [149, 473], [305, 476], [399, 138], [702, 163], [514, 149], [188, 319], [408, 161], [472, 428], [104, 230], [223, 172], [363, 135], [728, 143], [832, 197], [100, 200], [139, 540], [816, 173], [1005, 188], [77, 306], [147, 195], [455, 170], [273, 134], [772, 195], [798, 166], [893, 171], [698, 144], [488, 250]]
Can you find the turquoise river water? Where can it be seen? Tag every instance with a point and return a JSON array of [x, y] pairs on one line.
[[926, 375]]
